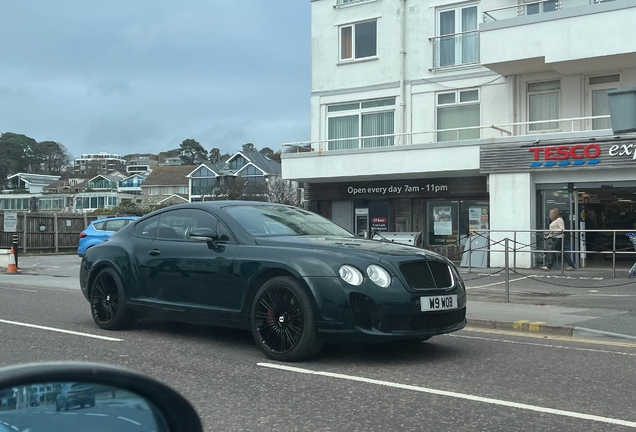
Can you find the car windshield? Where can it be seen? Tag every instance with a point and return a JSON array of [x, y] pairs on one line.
[[264, 220]]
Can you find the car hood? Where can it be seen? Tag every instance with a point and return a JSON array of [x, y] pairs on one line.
[[348, 246]]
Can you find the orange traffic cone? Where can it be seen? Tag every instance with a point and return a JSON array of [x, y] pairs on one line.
[[12, 267]]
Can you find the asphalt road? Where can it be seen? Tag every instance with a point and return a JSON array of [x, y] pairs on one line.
[[469, 381]]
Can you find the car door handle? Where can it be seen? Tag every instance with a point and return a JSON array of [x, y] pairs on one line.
[[154, 252]]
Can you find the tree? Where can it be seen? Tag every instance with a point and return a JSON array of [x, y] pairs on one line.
[[48, 157], [162, 156], [192, 153], [249, 147], [14, 152], [266, 151], [283, 192], [215, 155]]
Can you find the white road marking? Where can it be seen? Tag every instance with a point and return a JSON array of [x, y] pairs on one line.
[[5, 423], [97, 415], [497, 283], [13, 427], [543, 345], [454, 395], [69, 413], [18, 289], [53, 329], [129, 420]]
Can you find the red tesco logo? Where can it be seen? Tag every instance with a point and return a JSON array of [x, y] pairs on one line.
[[578, 151]]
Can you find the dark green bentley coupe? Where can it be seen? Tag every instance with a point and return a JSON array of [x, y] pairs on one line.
[[295, 279]]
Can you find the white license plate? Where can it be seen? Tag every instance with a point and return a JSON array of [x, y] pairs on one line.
[[438, 303]]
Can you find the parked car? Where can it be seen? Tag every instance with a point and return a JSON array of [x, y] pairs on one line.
[[292, 277], [74, 394], [99, 230]]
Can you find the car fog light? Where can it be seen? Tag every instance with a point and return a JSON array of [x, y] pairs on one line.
[[379, 276], [350, 275]]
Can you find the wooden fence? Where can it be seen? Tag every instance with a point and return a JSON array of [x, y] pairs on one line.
[[46, 232]]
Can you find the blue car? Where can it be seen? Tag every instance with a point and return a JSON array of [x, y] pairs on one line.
[[99, 230]]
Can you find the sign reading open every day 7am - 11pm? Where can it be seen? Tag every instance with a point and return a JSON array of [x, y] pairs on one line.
[[396, 190]]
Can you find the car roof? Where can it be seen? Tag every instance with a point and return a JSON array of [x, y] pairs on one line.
[[115, 218], [226, 203]]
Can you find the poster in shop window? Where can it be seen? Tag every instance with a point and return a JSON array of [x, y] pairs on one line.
[[443, 222], [477, 218]]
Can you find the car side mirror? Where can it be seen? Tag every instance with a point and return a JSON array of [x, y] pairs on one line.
[[208, 235], [112, 398]]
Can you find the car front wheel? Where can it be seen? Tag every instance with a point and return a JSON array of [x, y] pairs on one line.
[[108, 306], [283, 322]]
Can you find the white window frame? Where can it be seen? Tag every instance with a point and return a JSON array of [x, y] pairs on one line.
[[360, 112], [353, 57], [590, 88], [458, 27], [540, 92], [457, 102]]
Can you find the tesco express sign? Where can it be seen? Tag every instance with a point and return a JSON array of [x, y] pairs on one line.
[[578, 154]]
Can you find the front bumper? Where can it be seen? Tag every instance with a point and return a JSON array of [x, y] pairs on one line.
[[369, 313]]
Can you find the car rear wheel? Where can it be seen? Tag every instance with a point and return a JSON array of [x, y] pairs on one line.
[[108, 306], [283, 321]]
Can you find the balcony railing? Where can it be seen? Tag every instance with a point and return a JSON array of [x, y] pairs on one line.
[[534, 8], [567, 125], [455, 49]]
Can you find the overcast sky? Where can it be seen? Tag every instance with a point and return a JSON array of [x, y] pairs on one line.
[[127, 76]]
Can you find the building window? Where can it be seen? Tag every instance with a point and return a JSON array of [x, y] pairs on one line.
[[599, 87], [457, 41], [359, 120], [152, 191], [237, 163], [457, 110], [543, 104], [183, 190], [546, 6], [358, 40]]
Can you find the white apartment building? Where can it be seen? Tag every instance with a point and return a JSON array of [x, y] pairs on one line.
[[445, 117]]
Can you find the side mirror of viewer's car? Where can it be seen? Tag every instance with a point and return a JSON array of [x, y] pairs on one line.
[[102, 397]]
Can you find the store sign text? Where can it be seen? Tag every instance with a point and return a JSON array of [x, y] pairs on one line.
[[396, 190], [622, 150], [561, 155]]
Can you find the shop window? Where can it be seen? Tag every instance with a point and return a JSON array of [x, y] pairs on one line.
[[374, 119], [456, 110], [544, 104], [450, 222]]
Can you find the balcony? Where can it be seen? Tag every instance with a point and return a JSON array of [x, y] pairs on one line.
[[454, 50], [567, 36], [417, 155]]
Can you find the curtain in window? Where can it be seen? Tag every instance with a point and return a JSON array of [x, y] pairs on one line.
[[378, 124], [470, 41], [345, 43], [447, 43], [344, 127], [600, 106], [457, 117], [544, 107]]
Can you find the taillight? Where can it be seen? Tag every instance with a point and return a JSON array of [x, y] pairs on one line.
[[83, 234]]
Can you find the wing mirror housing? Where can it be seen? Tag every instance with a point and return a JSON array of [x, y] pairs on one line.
[[208, 235], [109, 395]]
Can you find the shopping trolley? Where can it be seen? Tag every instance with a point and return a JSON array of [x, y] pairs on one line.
[[632, 237]]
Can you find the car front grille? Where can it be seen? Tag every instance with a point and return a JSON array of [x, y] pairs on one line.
[[423, 322], [427, 274]]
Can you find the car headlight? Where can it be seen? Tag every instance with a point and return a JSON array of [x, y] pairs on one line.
[[379, 276], [350, 275]]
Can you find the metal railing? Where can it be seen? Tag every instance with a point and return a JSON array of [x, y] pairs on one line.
[[577, 124], [534, 8], [456, 49]]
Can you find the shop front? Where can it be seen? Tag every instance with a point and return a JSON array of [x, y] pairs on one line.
[[591, 183], [442, 211]]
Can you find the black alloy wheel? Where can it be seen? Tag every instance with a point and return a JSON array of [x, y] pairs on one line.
[[283, 322], [108, 307]]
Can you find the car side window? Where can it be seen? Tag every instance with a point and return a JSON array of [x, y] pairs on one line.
[[178, 224], [115, 225], [99, 226], [147, 228]]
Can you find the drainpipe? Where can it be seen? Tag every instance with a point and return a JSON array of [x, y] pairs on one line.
[[403, 72]]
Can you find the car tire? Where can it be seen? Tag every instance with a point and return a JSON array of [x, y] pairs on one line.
[[66, 406], [283, 322], [108, 304], [57, 407]]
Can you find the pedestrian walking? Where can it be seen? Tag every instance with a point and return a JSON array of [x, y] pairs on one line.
[[557, 226]]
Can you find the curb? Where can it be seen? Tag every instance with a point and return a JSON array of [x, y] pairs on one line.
[[523, 326]]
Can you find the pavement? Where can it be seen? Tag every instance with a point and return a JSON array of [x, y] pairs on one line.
[[597, 302]]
